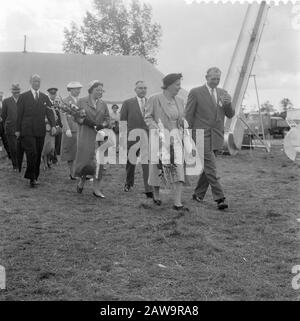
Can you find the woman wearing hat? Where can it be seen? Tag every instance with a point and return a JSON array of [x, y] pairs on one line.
[[96, 118], [70, 127], [165, 110]]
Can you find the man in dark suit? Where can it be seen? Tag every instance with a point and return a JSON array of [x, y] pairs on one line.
[[132, 111], [206, 108], [2, 131], [9, 117], [33, 107]]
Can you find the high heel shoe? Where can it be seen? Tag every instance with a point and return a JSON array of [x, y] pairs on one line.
[[98, 194], [79, 189], [181, 208], [157, 202]]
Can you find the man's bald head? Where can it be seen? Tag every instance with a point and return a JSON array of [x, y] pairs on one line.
[[35, 81]]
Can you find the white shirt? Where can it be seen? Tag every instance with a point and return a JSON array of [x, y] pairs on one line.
[[75, 99], [142, 103], [214, 91], [34, 91]]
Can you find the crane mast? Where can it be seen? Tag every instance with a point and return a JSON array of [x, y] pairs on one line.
[[239, 71]]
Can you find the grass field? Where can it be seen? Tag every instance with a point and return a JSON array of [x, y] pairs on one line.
[[58, 245]]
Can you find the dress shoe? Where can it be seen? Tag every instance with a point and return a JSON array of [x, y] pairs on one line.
[[221, 204], [181, 208], [72, 178], [197, 198], [32, 183], [98, 194], [127, 188], [149, 194]]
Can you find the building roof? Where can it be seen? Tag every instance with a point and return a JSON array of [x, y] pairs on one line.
[[118, 73]]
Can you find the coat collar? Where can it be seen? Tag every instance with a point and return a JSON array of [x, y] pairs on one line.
[[163, 101]]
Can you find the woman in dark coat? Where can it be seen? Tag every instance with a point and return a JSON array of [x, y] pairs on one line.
[[96, 118]]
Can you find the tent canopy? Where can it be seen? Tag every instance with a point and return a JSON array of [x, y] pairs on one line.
[[118, 73]]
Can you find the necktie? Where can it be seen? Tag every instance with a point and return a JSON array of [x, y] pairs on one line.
[[142, 105], [36, 96], [213, 97]]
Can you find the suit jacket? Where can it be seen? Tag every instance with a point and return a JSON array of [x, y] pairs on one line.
[[68, 123], [31, 114], [201, 113], [131, 113], [9, 115], [156, 109]]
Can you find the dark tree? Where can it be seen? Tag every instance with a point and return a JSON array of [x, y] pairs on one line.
[[115, 29], [286, 104], [267, 107]]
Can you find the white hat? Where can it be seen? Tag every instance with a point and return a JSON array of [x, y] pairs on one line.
[[74, 84], [92, 83]]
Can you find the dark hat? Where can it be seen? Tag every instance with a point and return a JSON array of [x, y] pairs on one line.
[[170, 79], [52, 89]]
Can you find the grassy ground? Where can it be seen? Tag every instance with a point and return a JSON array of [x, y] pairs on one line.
[[58, 245]]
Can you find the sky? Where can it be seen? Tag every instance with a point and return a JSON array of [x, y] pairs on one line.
[[196, 36]]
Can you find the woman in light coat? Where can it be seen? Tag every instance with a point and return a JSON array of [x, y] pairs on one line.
[[166, 110], [70, 128]]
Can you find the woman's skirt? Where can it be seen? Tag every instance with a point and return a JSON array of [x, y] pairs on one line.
[[85, 162], [68, 147]]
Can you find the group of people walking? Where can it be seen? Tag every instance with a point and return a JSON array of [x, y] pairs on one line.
[[33, 116]]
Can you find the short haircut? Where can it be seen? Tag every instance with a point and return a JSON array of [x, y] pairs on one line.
[[35, 76], [95, 85], [213, 70], [139, 81]]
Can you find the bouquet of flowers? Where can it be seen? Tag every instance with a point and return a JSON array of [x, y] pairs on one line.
[[72, 110]]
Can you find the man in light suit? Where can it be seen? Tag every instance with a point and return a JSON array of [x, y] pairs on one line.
[[206, 109], [132, 111], [9, 117], [33, 107]]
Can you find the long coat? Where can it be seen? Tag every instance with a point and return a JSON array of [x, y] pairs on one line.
[[85, 162], [201, 113], [68, 144], [9, 116], [156, 110]]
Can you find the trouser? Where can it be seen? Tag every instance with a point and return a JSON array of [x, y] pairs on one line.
[[57, 144], [12, 145], [130, 172], [20, 154], [4, 139], [209, 177], [33, 146]]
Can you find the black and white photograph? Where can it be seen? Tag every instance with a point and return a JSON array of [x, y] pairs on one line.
[[149, 152]]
